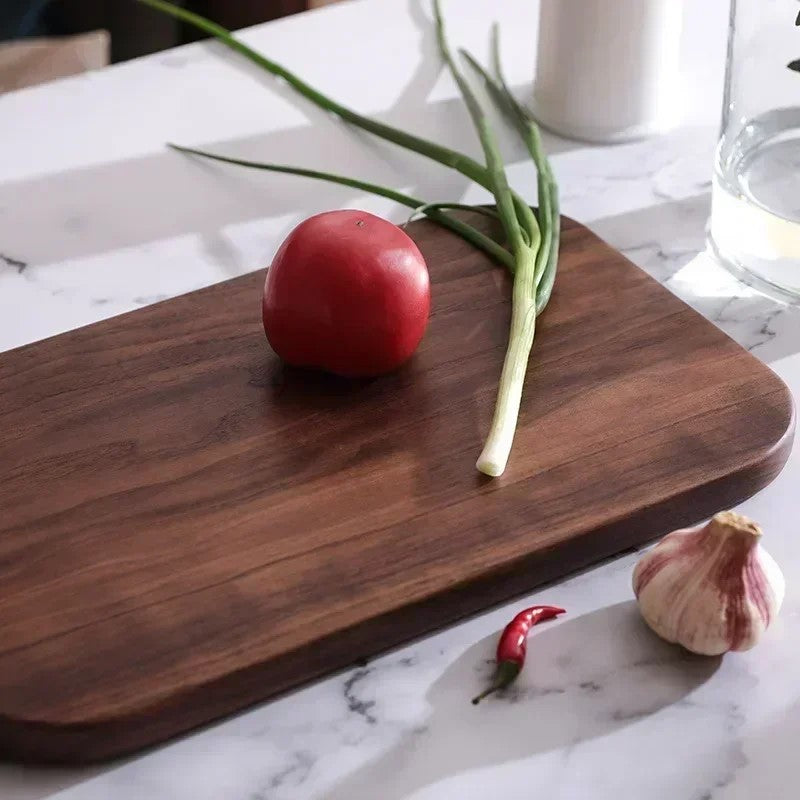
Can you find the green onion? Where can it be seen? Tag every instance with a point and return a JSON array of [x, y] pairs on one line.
[[492, 460], [498, 182], [431, 210], [532, 238], [444, 155], [549, 206], [528, 123], [484, 211]]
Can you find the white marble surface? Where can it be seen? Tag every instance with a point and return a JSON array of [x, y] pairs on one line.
[[96, 219]]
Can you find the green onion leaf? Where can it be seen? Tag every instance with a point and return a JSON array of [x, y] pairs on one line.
[[444, 155], [458, 226]]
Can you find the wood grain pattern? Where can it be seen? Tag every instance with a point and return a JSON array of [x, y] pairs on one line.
[[187, 528]]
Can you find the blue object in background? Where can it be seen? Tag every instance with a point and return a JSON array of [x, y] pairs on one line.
[[21, 18]]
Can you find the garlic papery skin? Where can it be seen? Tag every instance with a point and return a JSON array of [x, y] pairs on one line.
[[711, 588]]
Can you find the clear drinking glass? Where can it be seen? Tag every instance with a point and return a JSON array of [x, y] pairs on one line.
[[755, 217]]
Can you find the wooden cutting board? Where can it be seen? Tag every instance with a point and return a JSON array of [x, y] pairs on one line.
[[186, 527]]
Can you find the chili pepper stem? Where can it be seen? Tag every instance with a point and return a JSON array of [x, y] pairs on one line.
[[507, 672]]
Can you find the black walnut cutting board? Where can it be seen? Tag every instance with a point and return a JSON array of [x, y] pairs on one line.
[[187, 528]]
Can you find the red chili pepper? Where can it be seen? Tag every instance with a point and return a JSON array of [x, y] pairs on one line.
[[513, 645]]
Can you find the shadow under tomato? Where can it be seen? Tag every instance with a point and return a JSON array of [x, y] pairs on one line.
[[327, 425], [303, 389]]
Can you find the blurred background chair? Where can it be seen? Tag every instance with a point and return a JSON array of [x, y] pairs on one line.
[[45, 39]]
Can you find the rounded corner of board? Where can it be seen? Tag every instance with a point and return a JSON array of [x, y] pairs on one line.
[[770, 458], [52, 742]]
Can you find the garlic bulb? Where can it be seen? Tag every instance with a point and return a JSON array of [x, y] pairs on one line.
[[711, 588]]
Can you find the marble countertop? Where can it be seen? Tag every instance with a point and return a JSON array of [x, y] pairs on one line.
[[96, 218]]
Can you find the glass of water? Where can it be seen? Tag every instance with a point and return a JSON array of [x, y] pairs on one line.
[[755, 216]]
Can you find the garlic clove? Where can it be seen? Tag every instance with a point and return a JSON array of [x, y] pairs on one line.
[[710, 588]]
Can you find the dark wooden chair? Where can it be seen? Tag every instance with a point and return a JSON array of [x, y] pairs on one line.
[[136, 30]]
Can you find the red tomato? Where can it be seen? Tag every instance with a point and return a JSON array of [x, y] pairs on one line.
[[347, 292]]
